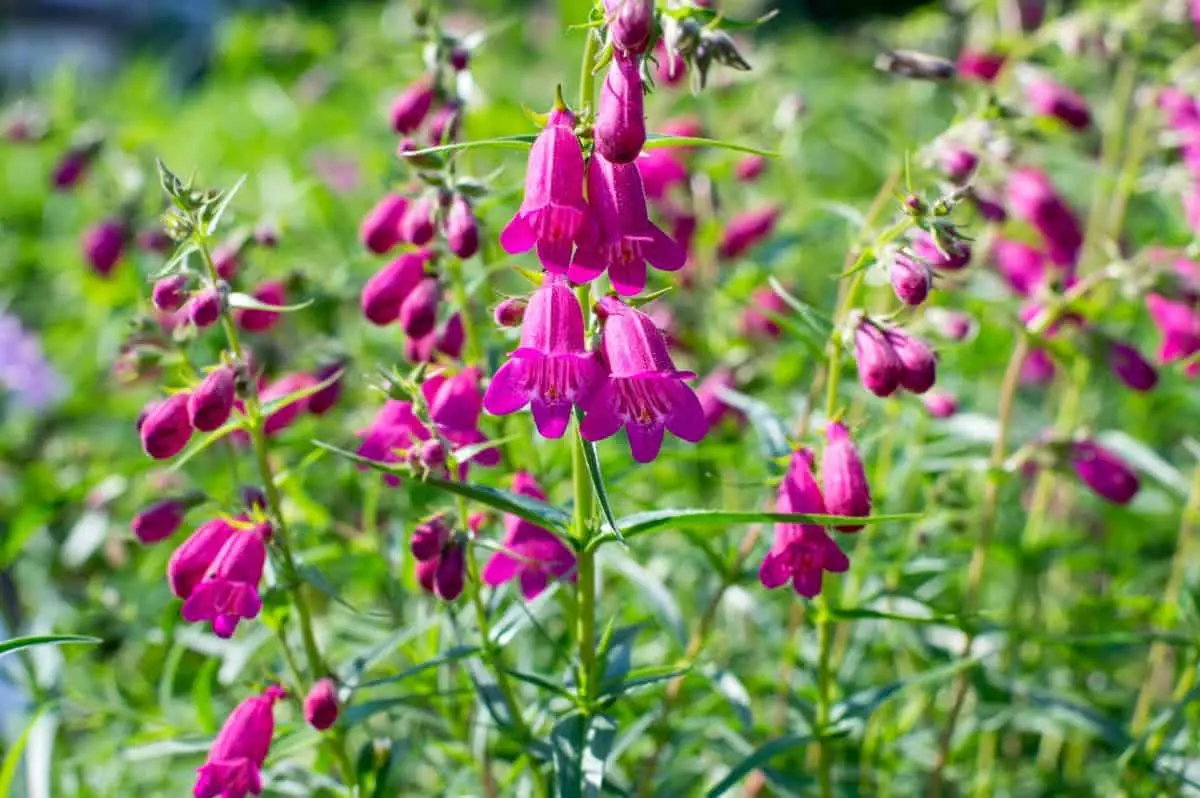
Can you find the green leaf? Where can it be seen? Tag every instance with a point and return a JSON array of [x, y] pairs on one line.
[[518, 142], [863, 703], [759, 757], [593, 467], [450, 655], [20, 643], [12, 757], [213, 212], [730, 687], [643, 677], [820, 324], [537, 512], [655, 594], [597, 747], [657, 520], [656, 140], [566, 747], [240, 300], [238, 422], [178, 260], [771, 432], [540, 682]]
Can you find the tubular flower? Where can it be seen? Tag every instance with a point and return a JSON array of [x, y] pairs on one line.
[[911, 279], [166, 428], [168, 294], [412, 105], [843, 478], [1106, 474], [380, 229], [233, 768], [462, 229], [628, 238], [394, 428], [229, 591], [553, 216], [551, 370], [384, 294], [455, 405], [940, 405], [952, 256], [321, 705], [800, 553], [1032, 197], [1179, 324], [746, 231], [643, 391], [979, 65], [620, 130], [531, 555], [191, 559], [919, 365], [418, 312], [211, 403]]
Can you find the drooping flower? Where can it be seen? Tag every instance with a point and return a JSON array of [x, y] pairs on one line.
[[211, 403], [104, 244], [979, 65], [394, 428], [746, 231], [1032, 197], [380, 229], [843, 478], [429, 538], [168, 293], [630, 23], [229, 591], [204, 308], [72, 167], [919, 365], [452, 338], [1022, 266], [879, 367], [672, 68], [233, 768], [1130, 367], [661, 170], [940, 405], [530, 554], [462, 230], [628, 238], [1049, 98], [1108, 476], [455, 405], [417, 226], [321, 705], [284, 415], [551, 370], [159, 521], [553, 215], [750, 167], [166, 428], [801, 553], [759, 319], [911, 279], [191, 559], [1179, 324], [643, 392], [412, 105], [384, 294], [227, 259], [620, 130], [257, 320], [951, 256], [418, 312], [443, 126]]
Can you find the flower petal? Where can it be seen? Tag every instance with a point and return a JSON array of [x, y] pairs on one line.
[[517, 236], [686, 420], [645, 440], [506, 393], [551, 418], [499, 569]]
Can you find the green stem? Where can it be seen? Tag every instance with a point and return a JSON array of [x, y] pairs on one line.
[[587, 78], [471, 344], [585, 615]]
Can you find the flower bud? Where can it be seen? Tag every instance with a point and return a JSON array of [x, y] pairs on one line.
[[510, 312], [462, 230], [254, 498], [159, 521], [989, 208], [620, 130], [958, 163], [1022, 266], [417, 225], [954, 254], [452, 338], [227, 260], [979, 65], [426, 571], [758, 319], [154, 239], [443, 127], [212, 401], [911, 279], [672, 68], [412, 106], [1130, 367], [919, 365], [321, 705], [750, 168], [323, 400], [284, 416], [418, 313], [266, 235], [630, 23], [380, 228], [255, 320], [166, 429], [387, 289], [940, 405], [1048, 98], [204, 308], [103, 246], [168, 293], [953, 325], [843, 478], [433, 454], [72, 167], [746, 231], [1108, 476], [429, 538], [460, 58], [450, 577], [879, 367]]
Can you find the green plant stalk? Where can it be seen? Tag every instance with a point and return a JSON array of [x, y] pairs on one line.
[[585, 614], [280, 536]]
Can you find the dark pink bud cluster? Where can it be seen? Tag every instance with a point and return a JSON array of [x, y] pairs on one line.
[[531, 555], [440, 556], [890, 359]]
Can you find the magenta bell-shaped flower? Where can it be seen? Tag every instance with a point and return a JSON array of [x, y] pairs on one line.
[[630, 23], [879, 367], [531, 555], [1130, 367], [919, 365], [229, 591], [1032, 197], [168, 293], [166, 428], [1022, 266], [1048, 98], [321, 707], [800, 553], [204, 308], [911, 279], [418, 312], [843, 478], [211, 403], [1179, 324], [159, 521], [462, 230], [233, 768], [103, 246], [384, 294], [394, 428], [191, 559], [620, 131], [953, 256], [661, 170], [1108, 476], [553, 215], [628, 239], [551, 370], [643, 392], [746, 231], [380, 229], [412, 105]]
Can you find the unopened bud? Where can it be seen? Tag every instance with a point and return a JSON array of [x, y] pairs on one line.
[[915, 65], [510, 312]]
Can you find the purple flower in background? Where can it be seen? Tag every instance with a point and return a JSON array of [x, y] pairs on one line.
[[952, 256], [394, 429], [843, 478], [979, 65], [1033, 198], [26, 377], [1048, 98], [940, 405], [1179, 324], [531, 555], [1130, 367], [1108, 476], [1021, 265]]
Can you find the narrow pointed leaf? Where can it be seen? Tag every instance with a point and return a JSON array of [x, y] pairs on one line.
[[656, 520], [240, 300], [21, 643], [655, 141]]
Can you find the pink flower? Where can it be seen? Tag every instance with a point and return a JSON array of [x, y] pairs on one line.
[[952, 256], [412, 105], [749, 168], [1032, 198], [284, 415], [253, 320], [911, 279], [761, 312], [191, 559], [958, 163], [452, 338], [630, 23], [229, 591], [843, 478], [384, 294], [380, 229], [234, 764], [159, 521], [979, 65], [1038, 367], [709, 394], [323, 400], [919, 365], [429, 538], [628, 238], [168, 294], [1048, 98], [227, 260], [620, 130], [455, 405], [462, 231], [940, 405], [510, 312], [989, 207], [643, 391], [1179, 107], [103, 245], [321, 705], [204, 308], [1022, 266], [671, 66], [211, 403], [1179, 324], [661, 170], [553, 215], [1105, 473], [746, 231], [551, 369], [531, 554], [1130, 367], [800, 553], [72, 167], [417, 226], [441, 559], [394, 428], [166, 428], [443, 127], [879, 367], [418, 312]]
